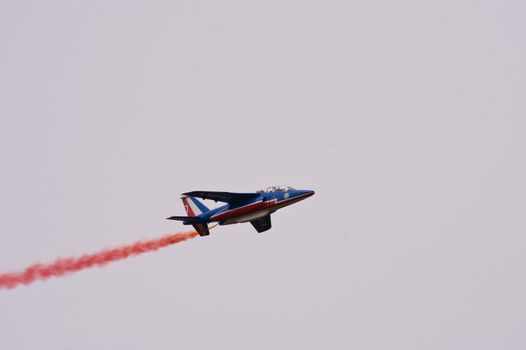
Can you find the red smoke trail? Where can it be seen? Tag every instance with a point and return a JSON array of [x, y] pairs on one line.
[[64, 266]]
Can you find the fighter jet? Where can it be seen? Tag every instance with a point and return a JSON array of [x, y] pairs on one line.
[[253, 207]]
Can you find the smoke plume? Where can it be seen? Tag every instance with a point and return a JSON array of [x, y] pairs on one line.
[[65, 266]]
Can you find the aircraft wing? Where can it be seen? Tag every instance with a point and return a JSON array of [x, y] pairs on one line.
[[262, 224], [227, 197]]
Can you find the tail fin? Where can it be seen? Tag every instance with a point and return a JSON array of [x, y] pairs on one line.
[[193, 206]]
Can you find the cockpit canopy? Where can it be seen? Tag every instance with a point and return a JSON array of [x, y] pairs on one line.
[[276, 189]]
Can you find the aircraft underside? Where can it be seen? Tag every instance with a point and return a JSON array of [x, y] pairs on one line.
[[248, 217]]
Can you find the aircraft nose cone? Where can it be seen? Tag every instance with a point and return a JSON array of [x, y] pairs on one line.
[[305, 193]]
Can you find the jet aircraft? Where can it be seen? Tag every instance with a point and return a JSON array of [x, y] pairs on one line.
[[253, 207]]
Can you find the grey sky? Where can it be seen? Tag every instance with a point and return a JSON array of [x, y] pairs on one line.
[[407, 118]]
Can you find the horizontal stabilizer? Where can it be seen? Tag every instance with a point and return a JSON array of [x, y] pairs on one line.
[[202, 229], [190, 219]]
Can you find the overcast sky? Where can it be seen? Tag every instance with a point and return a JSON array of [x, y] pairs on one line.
[[407, 118]]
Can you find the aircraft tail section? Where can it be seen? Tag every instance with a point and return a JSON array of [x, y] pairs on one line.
[[193, 206], [202, 229], [187, 219]]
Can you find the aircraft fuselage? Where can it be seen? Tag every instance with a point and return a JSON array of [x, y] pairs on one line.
[[254, 207]]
